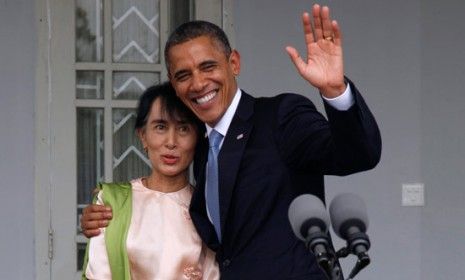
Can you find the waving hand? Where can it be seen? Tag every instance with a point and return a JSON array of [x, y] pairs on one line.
[[323, 66]]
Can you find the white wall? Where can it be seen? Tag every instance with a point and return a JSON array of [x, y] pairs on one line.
[[407, 58], [443, 135], [17, 81]]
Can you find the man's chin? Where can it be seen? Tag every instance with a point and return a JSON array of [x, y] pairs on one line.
[[205, 117], [211, 121]]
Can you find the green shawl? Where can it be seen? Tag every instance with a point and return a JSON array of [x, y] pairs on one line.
[[119, 197]]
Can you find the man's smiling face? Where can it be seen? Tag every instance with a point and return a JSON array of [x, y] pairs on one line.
[[203, 77]]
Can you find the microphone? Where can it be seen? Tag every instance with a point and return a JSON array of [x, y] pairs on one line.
[[310, 221], [350, 222]]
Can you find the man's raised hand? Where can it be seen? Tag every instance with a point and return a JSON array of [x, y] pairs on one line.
[[323, 66]]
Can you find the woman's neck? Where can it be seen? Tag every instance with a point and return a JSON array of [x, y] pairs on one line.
[[166, 184]]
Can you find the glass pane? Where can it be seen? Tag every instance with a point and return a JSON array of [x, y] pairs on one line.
[[89, 84], [90, 158], [130, 85], [129, 158], [89, 31], [136, 27], [81, 250], [181, 12]]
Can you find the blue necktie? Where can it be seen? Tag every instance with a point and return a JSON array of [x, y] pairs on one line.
[[213, 201]]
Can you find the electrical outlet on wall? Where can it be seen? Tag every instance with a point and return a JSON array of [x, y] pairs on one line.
[[413, 194]]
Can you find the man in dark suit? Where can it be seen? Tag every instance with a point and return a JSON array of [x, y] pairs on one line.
[[270, 149]]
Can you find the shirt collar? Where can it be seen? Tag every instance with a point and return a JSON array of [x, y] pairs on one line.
[[223, 125]]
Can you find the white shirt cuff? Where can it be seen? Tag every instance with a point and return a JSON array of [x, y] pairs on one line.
[[342, 102]]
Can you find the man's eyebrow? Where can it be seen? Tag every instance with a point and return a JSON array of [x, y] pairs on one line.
[[208, 63], [205, 63]]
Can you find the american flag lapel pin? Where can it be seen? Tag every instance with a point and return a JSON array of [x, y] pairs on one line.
[[240, 136]]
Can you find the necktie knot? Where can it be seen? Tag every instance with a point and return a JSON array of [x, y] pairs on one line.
[[215, 139]]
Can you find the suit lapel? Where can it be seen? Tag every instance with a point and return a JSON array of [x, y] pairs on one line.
[[231, 153]]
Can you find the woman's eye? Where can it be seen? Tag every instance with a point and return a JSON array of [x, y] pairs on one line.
[[160, 127], [184, 129]]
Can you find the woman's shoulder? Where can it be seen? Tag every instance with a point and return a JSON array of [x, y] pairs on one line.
[[113, 185], [114, 193]]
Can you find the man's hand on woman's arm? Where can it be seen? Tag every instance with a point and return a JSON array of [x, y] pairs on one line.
[[93, 218]]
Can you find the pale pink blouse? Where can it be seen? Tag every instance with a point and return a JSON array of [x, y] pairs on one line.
[[162, 242]]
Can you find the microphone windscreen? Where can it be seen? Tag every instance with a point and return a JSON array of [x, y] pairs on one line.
[[304, 208], [348, 209]]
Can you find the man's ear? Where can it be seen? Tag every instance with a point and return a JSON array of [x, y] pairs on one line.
[[235, 62]]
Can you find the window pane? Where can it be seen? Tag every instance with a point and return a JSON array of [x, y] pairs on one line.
[[81, 250], [89, 31], [130, 85], [136, 27], [90, 159], [129, 158], [181, 12], [89, 85]]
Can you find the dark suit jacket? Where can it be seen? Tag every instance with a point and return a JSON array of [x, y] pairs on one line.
[[276, 149]]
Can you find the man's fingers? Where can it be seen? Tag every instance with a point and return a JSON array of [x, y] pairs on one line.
[[91, 232], [93, 218], [96, 212], [317, 22], [292, 52], [96, 216], [296, 59], [308, 30], [337, 33], [96, 208], [91, 225], [92, 228], [326, 23]]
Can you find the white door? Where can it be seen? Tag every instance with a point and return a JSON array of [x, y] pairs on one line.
[[95, 59]]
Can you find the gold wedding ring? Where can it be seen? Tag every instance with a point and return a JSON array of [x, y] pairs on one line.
[[329, 38]]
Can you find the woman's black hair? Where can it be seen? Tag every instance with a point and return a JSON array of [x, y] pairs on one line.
[[172, 107]]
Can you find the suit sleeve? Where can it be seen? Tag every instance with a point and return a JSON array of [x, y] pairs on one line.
[[345, 143]]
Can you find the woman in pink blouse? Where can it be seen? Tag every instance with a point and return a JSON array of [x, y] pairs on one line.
[[153, 236]]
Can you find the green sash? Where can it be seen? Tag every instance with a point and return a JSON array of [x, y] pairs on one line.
[[119, 197]]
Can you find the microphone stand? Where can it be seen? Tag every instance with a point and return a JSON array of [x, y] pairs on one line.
[[358, 244], [317, 243], [362, 262]]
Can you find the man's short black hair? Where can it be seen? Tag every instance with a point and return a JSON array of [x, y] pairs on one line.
[[194, 29]]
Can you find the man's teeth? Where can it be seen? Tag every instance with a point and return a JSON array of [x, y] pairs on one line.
[[206, 98]]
